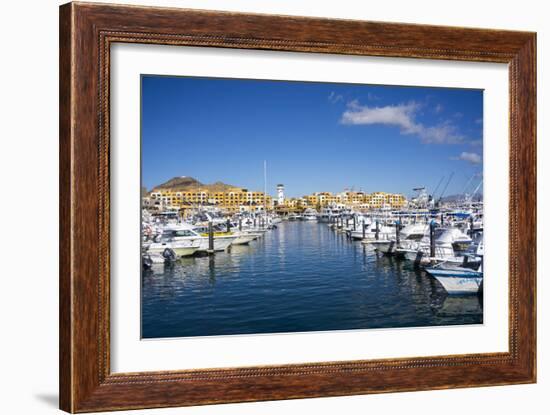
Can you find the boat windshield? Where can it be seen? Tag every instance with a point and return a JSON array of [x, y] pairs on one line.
[[415, 237], [181, 232]]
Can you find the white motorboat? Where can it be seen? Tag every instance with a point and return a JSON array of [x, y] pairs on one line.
[[309, 215], [458, 239], [149, 261], [181, 239], [408, 235], [384, 233], [357, 231], [180, 248], [329, 213], [457, 280], [244, 238], [274, 220], [448, 243], [244, 234], [222, 239]]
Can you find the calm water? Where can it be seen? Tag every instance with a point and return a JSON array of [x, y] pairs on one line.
[[299, 277]]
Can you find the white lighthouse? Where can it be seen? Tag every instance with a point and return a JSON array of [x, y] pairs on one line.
[[280, 194]]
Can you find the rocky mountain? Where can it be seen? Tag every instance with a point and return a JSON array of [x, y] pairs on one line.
[[459, 197], [187, 183], [179, 182]]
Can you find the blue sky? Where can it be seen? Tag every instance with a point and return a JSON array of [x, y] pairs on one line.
[[314, 136]]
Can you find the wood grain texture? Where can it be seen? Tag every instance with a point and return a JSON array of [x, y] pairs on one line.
[[86, 33]]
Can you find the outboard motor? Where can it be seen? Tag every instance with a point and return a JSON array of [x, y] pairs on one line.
[[169, 255], [146, 261]]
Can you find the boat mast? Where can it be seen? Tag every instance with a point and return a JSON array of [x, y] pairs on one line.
[[445, 188], [475, 191], [437, 187], [265, 188], [468, 184]]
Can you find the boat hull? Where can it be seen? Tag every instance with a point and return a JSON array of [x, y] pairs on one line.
[[358, 235], [413, 255], [458, 282], [221, 243], [385, 247], [244, 239], [184, 251], [180, 249]]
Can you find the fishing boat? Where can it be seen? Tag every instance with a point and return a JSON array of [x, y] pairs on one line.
[[375, 234], [222, 238], [450, 245], [181, 239], [362, 222], [408, 235], [294, 216], [309, 215], [329, 213], [457, 280]]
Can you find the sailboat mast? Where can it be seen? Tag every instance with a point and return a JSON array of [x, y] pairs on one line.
[[265, 187]]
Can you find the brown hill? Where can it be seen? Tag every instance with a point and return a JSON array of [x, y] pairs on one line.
[[186, 183], [179, 182]]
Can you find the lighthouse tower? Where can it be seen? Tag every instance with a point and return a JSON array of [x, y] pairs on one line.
[[280, 194]]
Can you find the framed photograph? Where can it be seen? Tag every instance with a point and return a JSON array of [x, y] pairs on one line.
[[258, 207]]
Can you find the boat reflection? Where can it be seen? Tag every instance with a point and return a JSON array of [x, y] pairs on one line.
[[458, 305]]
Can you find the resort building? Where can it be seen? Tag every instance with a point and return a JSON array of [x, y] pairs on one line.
[[230, 200], [356, 200]]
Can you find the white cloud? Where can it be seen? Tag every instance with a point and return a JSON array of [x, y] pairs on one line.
[[399, 115], [473, 158], [404, 117], [334, 97], [438, 108]]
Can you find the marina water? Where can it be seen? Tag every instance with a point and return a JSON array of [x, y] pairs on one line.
[[300, 277]]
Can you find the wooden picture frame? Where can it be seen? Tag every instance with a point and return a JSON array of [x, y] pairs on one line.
[[86, 33]]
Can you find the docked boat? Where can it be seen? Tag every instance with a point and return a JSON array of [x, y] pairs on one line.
[[244, 238], [384, 232], [458, 239], [149, 260], [309, 215], [450, 245], [244, 234], [408, 236], [294, 217], [222, 238], [181, 239], [181, 248], [457, 280], [329, 213], [363, 221], [274, 220]]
